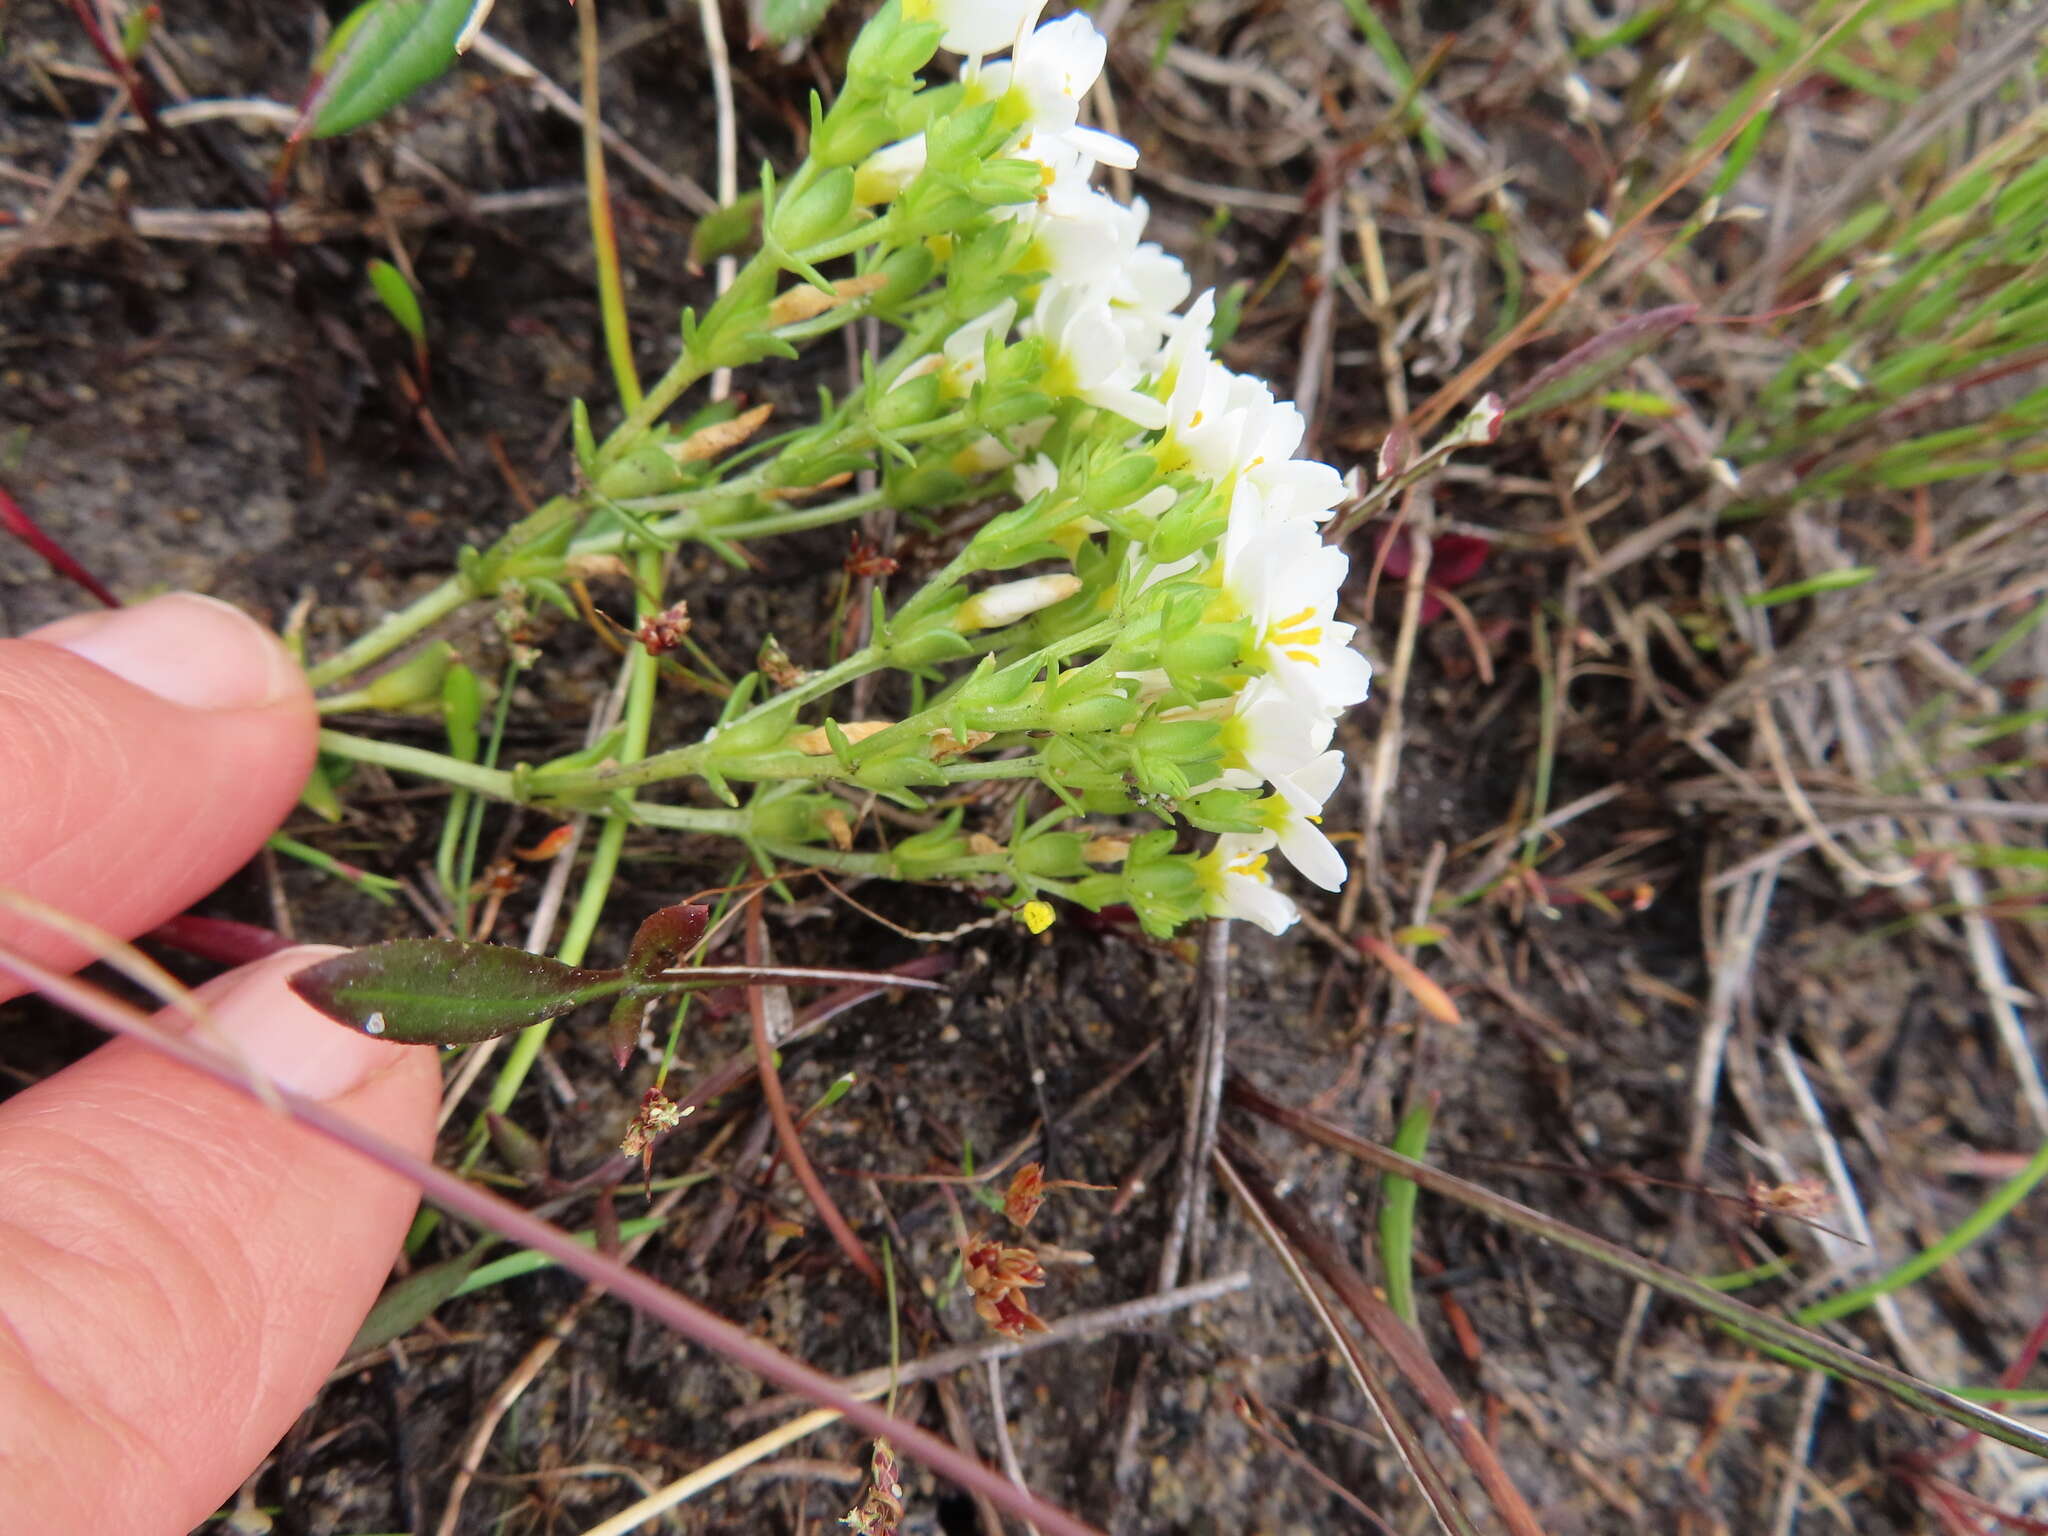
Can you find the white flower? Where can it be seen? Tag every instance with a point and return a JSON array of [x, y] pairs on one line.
[[966, 350], [882, 177], [1010, 601], [1284, 580], [975, 27], [1221, 423], [1085, 355], [1034, 476], [1290, 818], [1050, 69], [1268, 736], [1235, 884]]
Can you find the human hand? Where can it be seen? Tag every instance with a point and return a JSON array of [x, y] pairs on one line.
[[180, 1267]]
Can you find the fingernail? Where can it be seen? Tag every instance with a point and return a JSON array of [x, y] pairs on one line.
[[264, 1023], [188, 649]]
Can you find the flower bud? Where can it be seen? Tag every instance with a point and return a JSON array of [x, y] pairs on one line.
[[891, 49], [1014, 600], [908, 402], [818, 212], [646, 471], [1120, 482], [416, 684]]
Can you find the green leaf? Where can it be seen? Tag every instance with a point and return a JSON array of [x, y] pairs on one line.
[[1826, 581], [407, 1303], [726, 230], [786, 21], [1585, 368], [397, 296], [383, 52], [446, 992]]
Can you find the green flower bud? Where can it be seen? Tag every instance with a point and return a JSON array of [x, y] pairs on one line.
[[930, 853], [793, 818], [1051, 856], [909, 403], [1192, 523], [890, 50], [907, 271], [646, 471], [817, 213], [1223, 810], [1100, 712], [1006, 181], [997, 410], [1117, 484], [1196, 656], [1162, 887], [857, 126], [958, 141], [415, 685], [932, 481]]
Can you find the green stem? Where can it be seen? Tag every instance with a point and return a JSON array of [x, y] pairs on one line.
[[641, 677], [691, 818], [823, 515], [494, 782], [392, 632], [682, 762], [604, 239]]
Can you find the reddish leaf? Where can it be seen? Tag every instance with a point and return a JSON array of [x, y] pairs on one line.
[[664, 938]]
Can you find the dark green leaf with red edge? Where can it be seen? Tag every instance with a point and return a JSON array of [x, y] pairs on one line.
[[665, 938], [445, 992], [1586, 368]]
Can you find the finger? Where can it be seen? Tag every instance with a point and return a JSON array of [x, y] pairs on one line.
[[181, 1267], [145, 754]]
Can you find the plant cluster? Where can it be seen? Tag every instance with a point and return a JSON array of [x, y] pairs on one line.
[[1146, 624]]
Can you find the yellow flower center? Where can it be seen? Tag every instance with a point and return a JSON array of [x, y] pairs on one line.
[[1296, 637]]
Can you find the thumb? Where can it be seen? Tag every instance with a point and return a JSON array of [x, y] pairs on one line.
[[180, 1267], [144, 756]]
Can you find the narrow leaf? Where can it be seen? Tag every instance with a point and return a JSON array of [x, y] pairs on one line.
[[446, 992], [1586, 368], [407, 1303], [396, 295]]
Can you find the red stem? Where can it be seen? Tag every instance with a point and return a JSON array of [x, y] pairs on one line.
[[136, 87], [785, 1124]]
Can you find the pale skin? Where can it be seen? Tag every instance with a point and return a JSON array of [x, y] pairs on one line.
[[180, 1268]]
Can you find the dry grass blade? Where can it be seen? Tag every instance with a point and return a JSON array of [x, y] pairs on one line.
[[1443, 1503], [1774, 1332], [1409, 1354], [1431, 998]]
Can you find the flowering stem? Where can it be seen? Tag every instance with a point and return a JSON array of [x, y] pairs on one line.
[[395, 630], [494, 782]]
